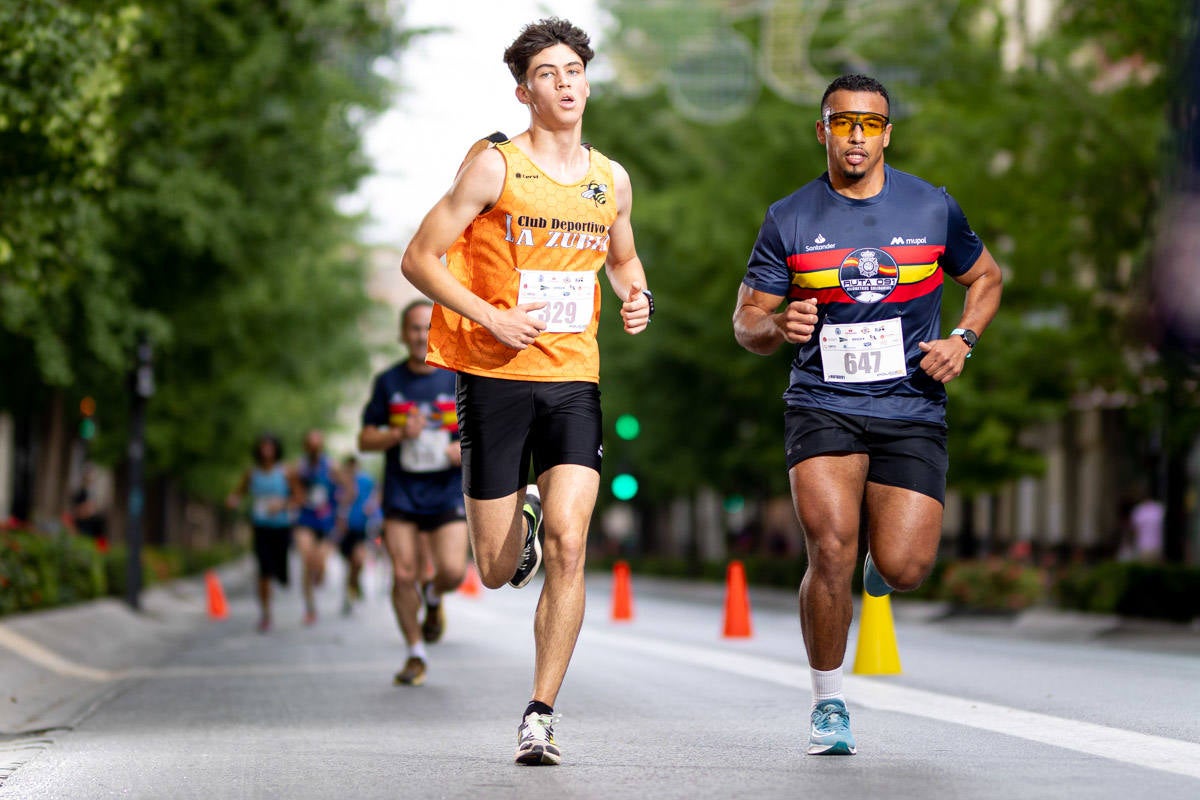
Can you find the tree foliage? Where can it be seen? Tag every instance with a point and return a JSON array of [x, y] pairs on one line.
[[1052, 141], [211, 182], [62, 68]]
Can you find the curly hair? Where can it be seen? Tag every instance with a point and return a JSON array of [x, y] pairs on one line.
[[537, 36], [855, 83]]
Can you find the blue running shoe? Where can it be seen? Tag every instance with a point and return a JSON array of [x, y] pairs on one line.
[[830, 735], [873, 582]]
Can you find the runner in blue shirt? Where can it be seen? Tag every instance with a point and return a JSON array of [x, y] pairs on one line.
[[274, 493], [360, 506], [856, 258], [412, 417], [318, 516]]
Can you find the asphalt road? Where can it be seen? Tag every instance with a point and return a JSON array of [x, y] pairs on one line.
[[170, 704]]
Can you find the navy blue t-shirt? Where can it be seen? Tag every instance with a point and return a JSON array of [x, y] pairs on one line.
[[875, 268], [418, 478]]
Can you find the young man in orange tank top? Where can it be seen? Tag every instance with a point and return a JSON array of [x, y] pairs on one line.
[[527, 224]]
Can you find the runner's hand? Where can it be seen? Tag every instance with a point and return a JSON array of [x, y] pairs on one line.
[[635, 311], [515, 327], [944, 358], [798, 320], [414, 423]]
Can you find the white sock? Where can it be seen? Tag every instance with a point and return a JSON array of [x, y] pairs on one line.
[[826, 685], [432, 598], [417, 650]]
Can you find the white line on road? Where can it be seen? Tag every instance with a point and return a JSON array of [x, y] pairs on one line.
[[34, 652], [1130, 747]]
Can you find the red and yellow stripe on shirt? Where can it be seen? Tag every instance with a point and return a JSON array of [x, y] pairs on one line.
[[816, 274], [536, 224]]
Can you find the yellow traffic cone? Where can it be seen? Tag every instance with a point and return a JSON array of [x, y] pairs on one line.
[[876, 653]]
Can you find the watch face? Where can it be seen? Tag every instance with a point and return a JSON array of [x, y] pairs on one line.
[[970, 338]]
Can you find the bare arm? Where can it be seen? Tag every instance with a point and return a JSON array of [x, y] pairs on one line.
[[945, 358], [383, 437], [234, 499], [373, 439], [623, 267], [760, 328], [477, 187]]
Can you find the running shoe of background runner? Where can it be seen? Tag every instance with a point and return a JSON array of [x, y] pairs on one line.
[[434, 623], [413, 673]]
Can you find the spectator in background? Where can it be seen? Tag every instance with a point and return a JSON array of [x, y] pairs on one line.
[[1146, 527], [86, 512]]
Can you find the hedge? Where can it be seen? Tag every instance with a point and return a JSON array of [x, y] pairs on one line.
[[44, 569]]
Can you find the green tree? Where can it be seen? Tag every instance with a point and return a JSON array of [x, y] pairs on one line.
[[242, 128], [1055, 157], [62, 68], [172, 170]]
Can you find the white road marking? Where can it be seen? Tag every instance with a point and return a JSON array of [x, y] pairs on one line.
[[43, 657], [1117, 744], [1129, 747]]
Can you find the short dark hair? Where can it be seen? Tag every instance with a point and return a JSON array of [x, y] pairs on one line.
[[404, 312], [855, 83], [268, 438], [537, 36]]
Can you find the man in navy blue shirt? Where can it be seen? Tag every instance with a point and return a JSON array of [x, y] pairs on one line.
[[856, 259], [412, 417]]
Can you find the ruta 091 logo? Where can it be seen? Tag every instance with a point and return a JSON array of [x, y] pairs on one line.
[[868, 275]]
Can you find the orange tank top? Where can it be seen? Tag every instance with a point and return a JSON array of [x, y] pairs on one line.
[[541, 241]]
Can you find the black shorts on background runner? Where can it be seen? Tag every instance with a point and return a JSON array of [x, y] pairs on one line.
[[271, 551], [909, 455], [426, 523], [351, 539], [507, 424]]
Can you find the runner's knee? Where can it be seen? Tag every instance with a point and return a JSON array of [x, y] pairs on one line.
[[905, 575]]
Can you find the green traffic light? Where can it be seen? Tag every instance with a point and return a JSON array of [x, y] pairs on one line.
[[87, 428], [628, 427], [624, 486]]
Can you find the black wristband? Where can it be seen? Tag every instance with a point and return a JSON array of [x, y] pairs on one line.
[[650, 298]]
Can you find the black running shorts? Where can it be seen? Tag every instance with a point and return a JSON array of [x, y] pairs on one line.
[[910, 455], [271, 551], [506, 424], [351, 539], [426, 523]]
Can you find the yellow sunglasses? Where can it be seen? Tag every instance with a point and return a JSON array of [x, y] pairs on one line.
[[841, 123]]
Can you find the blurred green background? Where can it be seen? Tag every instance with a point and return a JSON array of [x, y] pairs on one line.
[[171, 171]]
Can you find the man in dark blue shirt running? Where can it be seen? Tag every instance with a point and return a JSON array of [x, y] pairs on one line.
[[411, 417], [856, 258]]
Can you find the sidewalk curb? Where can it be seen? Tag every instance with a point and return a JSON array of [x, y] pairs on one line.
[[59, 664]]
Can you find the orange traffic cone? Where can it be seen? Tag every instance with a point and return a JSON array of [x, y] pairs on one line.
[[217, 607], [470, 583], [737, 602], [622, 593]]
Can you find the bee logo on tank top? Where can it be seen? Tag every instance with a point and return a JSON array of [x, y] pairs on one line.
[[596, 192]]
